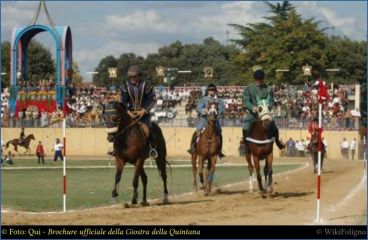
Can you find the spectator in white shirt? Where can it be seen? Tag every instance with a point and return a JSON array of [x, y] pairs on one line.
[[353, 145], [58, 147], [345, 148]]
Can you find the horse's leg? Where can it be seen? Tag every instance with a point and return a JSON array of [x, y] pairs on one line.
[[201, 178], [194, 170], [16, 148], [251, 169], [120, 163], [258, 171], [211, 175], [265, 172], [269, 172], [137, 170], [144, 182]]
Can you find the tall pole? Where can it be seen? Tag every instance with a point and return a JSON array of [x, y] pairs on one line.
[[64, 155], [365, 156], [64, 163], [319, 161]]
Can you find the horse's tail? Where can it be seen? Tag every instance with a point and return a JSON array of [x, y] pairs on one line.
[[160, 145], [7, 144]]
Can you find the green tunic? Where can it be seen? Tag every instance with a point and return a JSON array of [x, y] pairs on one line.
[[251, 95]]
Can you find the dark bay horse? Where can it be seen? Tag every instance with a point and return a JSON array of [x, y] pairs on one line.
[[207, 147], [130, 143], [25, 143], [313, 149], [261, 147]]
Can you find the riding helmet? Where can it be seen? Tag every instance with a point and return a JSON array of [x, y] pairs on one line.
[[259, 74], [211, 86]]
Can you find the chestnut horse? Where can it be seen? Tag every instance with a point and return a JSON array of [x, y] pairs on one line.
[[261, 147], [207, 147], [25, 143], [130, 138]]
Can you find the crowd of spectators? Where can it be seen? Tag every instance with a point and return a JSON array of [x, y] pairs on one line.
[[295, 106]]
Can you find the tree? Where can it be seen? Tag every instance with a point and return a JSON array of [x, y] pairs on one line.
[[40, 65], [103, 78], [287, 41], [77, 77]]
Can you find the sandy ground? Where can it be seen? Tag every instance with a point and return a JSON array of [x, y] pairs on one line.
[[343, 201]]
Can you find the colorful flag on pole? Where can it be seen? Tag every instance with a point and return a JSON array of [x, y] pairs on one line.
[[322, 92]]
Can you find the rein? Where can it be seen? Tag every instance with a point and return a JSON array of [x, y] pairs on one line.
[[126, 128]]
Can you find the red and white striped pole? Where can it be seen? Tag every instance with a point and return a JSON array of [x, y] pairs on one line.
[[365, 156], [319, 161], [64, 165]]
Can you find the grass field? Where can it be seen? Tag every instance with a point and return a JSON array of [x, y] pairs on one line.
[[40, 189]]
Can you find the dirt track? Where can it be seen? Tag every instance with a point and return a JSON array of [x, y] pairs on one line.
[[343, 201]]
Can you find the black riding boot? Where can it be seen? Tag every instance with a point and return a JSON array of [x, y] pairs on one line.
[[274, 132], [246, 146], [221, 155], [191, 149]]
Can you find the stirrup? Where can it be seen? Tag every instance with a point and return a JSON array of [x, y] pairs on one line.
[[153, 153]]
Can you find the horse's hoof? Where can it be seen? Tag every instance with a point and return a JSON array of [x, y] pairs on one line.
[[201, 186], [126, 205], [251, 190], [114, 194], [134, 202], [269, 189], [144, 204], [166, 199]]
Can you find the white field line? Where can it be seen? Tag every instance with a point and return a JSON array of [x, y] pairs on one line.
[[145, 166], [349, 196], [173, 196]]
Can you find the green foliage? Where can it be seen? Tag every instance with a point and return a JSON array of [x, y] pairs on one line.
[[40, 65], [77, 77], [194, 57]]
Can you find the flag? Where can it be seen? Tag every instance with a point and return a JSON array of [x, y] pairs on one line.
[[322, 92]]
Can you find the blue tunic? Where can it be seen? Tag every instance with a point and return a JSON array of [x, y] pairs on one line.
[[138, 96], [203, 104]]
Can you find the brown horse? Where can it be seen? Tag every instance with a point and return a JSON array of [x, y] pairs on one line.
[[207, 147], [131, 146], [25, 143], [313, 149], [261, 147]]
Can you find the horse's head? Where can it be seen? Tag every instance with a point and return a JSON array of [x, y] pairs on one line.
[[212, 111], [265, 113], [116, 117], [112, 119], [31, 136]]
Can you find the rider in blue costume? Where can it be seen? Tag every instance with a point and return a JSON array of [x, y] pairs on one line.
[[202, 109], [138, 97]]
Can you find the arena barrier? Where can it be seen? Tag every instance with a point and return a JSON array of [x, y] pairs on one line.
[[92, 141]]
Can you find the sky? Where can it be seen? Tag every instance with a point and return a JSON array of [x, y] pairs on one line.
[[102, 28]]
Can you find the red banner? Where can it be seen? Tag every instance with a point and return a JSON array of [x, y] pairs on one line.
[[43, 105]]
